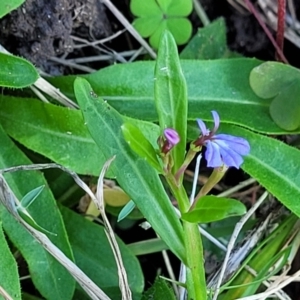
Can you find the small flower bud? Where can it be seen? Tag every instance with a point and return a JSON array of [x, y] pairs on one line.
[[171, 136]]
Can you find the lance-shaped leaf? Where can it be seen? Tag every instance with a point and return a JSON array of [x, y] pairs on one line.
[[170, 95], [136, 177], [221, 84], [211, 208], [8, 5], [9, 276], [139, 143], [126, 210], [51, 279], [31, 196]]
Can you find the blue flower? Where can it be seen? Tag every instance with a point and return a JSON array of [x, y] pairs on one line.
[[221, 149]]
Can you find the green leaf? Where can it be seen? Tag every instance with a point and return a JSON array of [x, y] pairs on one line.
[[180, 8], [147, 26], [282, 83], [221, 85], [269, 78], [159, 290], [211, 208], [285, 108], [7, 6], [170, 95], [16, 72], [29, 220], [94, 255], [164, 5], [31, 196], [59, 133], [145, 8], [181, 29], [148, 246], [56, 132], [156, 16], [126, 210], [146, 191], [49, 277], [260, 257], [156, 36], [138, 143], [208, 43], [9, 276], [115, 211], [272, 163]]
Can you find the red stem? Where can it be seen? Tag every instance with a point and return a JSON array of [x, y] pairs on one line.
[[267, 31], [280, 25]]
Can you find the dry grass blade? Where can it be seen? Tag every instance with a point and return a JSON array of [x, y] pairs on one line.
[[233, 238], [239, 255], [9, 200], [269, 292], [99, 201], [55, 93], [49, 89], [4, 293]]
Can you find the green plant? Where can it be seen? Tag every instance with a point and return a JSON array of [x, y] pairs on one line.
[[154, 17], [277, 81], [141, 128]]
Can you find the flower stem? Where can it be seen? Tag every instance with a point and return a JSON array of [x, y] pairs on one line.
[[189, 157], [213, 179], [280, 25], [195, 274]]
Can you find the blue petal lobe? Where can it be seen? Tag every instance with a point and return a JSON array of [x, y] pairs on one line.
[[238, 144], [202, 127], [231, 158], [212, 155], [216, 120]]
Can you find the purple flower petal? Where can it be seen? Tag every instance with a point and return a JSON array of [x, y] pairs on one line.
[[231, 158], [172, 136], [202, 127], [238, 144], [221, 148], [212, 155], [216, 120]]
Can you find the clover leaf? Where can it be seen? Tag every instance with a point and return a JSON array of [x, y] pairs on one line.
[[155, 16], [282, 83]]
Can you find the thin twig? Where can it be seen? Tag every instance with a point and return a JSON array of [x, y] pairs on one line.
[[201, 12], [99, 201], [129, 27], [281, 9], [70, 64], [9, 200], [266, 30], [110, 51], [49, 89], [273, 290], [170, 272], [237, 187], [5, 294]]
